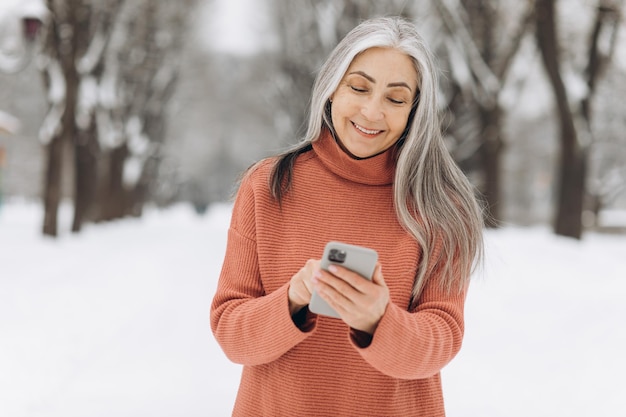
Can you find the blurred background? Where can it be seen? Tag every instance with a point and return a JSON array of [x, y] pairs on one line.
[[124, 125], [116, 104]]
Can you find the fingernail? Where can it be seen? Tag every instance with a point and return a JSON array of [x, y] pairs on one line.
[[332, 268]]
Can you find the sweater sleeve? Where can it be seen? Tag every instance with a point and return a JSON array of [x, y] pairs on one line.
[[252, 327], [415, 345]]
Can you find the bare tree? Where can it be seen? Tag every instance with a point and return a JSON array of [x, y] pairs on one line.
[[109, 69], [606, 180], [66, 39], [479, 52], [574, 120], [86, 147], [141, 70]]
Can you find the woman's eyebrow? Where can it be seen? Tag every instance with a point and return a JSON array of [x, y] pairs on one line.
[[372, 80]]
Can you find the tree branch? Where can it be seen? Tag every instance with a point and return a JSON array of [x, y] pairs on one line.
[[607, 14], [517, 37], [487, 81]]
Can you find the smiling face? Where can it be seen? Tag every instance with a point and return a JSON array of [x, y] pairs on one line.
[[371, 106]]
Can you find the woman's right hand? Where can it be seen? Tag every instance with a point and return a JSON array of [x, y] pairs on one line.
[[301, 286]]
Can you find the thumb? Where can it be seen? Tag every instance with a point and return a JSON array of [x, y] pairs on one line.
[[377, 276]]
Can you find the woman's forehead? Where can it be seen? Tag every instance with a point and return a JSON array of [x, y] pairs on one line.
[[388, 65]]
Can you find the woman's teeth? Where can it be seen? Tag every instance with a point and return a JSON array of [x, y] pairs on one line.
[[367, 131]]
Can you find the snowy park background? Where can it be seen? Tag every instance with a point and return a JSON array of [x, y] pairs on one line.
[[114, 321]]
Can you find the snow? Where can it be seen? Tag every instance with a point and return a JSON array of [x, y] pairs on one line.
[[133, 165], [87, 63], [24, 7], [58, 86], [114, 321], [87, 101], [12, 44], [51, 125], [8, 123]]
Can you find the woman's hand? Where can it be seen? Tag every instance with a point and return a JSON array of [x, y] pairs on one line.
[[361, 303], [301, 286]]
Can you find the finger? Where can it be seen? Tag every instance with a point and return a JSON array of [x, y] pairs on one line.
[[306, 289], [307, 285], [354, 279], [310, 269], [335, 299], [340, 283]]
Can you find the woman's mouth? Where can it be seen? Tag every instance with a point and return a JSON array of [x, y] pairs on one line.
[[366, 131]]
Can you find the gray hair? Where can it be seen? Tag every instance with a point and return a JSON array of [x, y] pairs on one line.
[[434, 200]]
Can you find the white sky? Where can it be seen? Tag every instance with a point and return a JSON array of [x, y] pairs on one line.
[[239, 27]]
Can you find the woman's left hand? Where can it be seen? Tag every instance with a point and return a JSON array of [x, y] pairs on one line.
[[361, 303]]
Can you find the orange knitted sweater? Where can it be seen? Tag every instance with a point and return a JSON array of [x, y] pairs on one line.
[[314, 365]]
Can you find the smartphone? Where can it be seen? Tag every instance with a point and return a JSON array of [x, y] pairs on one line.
[[355, 258]]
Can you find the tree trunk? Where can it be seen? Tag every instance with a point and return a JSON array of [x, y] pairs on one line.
[[571, 189], [52, 186], [490, 153], [572, 170], [85, 178], [64, 44], [114, 198]]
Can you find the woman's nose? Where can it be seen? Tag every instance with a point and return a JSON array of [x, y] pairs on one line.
[[372, 110]]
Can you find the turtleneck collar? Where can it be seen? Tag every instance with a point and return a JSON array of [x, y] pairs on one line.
[[376, 170]]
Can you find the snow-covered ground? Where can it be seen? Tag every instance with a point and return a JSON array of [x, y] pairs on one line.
[[114, 322]]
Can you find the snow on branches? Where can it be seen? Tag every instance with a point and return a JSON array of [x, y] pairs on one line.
[[20, 22]]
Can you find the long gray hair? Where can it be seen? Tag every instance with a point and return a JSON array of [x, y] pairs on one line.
[[434, 201]]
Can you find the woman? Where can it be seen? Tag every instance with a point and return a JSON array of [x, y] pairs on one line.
[[372, 171]]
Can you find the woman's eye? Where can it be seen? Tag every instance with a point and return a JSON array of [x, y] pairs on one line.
[[396, 101], [358, 89]]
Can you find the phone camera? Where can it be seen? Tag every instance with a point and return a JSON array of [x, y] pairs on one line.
[[337, 255]]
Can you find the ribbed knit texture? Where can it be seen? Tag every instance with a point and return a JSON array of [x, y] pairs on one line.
[[318, 368]]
